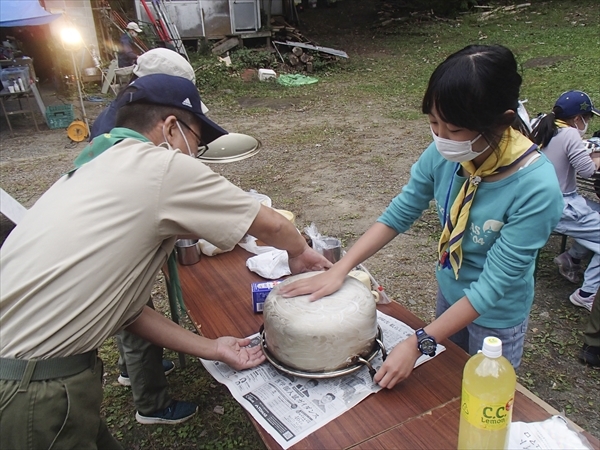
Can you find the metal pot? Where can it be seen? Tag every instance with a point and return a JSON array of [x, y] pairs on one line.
[[329, 337]]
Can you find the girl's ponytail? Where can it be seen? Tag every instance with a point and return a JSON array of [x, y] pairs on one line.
[[544, 130]]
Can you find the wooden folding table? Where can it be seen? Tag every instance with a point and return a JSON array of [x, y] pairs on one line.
[[420, 412]]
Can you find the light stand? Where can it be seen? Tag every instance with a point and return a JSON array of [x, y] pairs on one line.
[[78, 80], [72, 42]]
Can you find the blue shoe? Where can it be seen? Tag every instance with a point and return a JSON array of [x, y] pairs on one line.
[[168, 366], [176, 412]]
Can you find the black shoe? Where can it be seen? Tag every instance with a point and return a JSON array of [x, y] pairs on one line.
[[176, 412], [590, 355]]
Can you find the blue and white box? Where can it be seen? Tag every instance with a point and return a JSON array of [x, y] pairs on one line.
[[260, 290]]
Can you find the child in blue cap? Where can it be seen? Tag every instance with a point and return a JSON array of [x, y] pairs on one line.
[[560, 134]]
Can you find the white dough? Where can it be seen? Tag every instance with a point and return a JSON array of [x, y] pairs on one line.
[[320, 336]]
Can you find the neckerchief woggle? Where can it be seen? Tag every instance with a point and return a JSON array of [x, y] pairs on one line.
[[103, 142], [512, 148]]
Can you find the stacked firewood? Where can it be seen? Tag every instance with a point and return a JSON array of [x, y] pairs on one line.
[[297, 58]]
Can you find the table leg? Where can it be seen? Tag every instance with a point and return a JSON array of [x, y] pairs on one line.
[[175, 296], [32, 112], [6, 116]]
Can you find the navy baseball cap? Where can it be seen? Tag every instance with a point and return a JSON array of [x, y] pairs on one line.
[[574, 103], [177, 92]]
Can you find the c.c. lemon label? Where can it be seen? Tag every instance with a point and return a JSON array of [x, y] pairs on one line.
[[484, 415]]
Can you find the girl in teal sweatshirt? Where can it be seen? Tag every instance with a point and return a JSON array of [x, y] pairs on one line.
[[497, 198]]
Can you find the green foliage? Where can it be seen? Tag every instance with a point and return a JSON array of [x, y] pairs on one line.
[[211, 74], [246, 58], [444, 8]]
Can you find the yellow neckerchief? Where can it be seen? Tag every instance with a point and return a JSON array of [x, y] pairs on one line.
[[512, 146], [561, 123]]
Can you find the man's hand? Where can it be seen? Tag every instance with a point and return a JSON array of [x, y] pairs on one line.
[[236, 354], [596, 158], [307, 261]]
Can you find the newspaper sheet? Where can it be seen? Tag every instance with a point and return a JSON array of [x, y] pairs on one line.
[[290, 408]]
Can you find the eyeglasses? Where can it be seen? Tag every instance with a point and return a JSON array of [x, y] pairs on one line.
[[201, 148]]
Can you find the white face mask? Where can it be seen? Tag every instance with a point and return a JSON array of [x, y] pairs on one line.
[[456, 151], [585, 126], [169, 146]]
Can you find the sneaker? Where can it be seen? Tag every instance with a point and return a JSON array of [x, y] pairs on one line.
[[168, 366], [176, 412], [567, 268], [590, 355], [583, 302]]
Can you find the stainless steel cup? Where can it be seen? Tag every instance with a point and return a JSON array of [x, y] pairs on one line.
[[331, 249], [188, 252]]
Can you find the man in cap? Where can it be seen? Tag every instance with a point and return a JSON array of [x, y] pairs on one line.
[[105, 230], [141, 363], [157, 60], [126, 56]]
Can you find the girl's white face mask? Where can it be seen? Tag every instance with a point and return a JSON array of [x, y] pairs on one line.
[[456, 151], [585, 126]]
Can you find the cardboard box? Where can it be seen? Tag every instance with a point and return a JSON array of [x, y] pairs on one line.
[[260, 290]]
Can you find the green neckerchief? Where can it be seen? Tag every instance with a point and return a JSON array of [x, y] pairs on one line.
[[102, 143]]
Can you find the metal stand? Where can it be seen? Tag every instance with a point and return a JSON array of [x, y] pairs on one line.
[[77, 79]]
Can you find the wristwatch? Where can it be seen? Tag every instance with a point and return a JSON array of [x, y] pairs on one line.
[[426, 343]]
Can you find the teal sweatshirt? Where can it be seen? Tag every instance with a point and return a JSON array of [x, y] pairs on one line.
[[510, 220]]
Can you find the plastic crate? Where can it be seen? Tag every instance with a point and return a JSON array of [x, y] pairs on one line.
[[59, 116]]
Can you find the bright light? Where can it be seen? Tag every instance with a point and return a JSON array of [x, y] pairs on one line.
[[71, 38]]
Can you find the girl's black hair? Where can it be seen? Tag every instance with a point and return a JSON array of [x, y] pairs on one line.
[[474, 87], [546, 127]]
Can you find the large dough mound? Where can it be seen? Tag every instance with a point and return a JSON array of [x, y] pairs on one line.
[[320, 336]]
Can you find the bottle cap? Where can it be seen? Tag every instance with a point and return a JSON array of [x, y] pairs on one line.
[[492, 347]]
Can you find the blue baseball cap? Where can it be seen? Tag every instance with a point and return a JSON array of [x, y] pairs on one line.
[[574, 103], [177, 92]]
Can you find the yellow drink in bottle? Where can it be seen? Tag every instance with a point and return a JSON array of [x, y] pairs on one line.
[[488, 392]]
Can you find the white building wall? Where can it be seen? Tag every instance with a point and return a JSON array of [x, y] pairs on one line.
[[201, 18]]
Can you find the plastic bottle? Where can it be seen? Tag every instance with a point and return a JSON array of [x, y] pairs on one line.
[[488, 392]]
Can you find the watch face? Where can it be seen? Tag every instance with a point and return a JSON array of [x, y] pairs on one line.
[[428, 346]]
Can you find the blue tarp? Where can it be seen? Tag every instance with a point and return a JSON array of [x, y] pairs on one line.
[[23, 13]]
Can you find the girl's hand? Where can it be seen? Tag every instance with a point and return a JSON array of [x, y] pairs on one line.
[[235, 353], [399, 363]]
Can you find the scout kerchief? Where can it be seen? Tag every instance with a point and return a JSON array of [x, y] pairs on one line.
[[561, 123], [512, 148], [101, 143]]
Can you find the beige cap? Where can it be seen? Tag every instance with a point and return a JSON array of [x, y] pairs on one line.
[[167, 62], [134, 26]]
